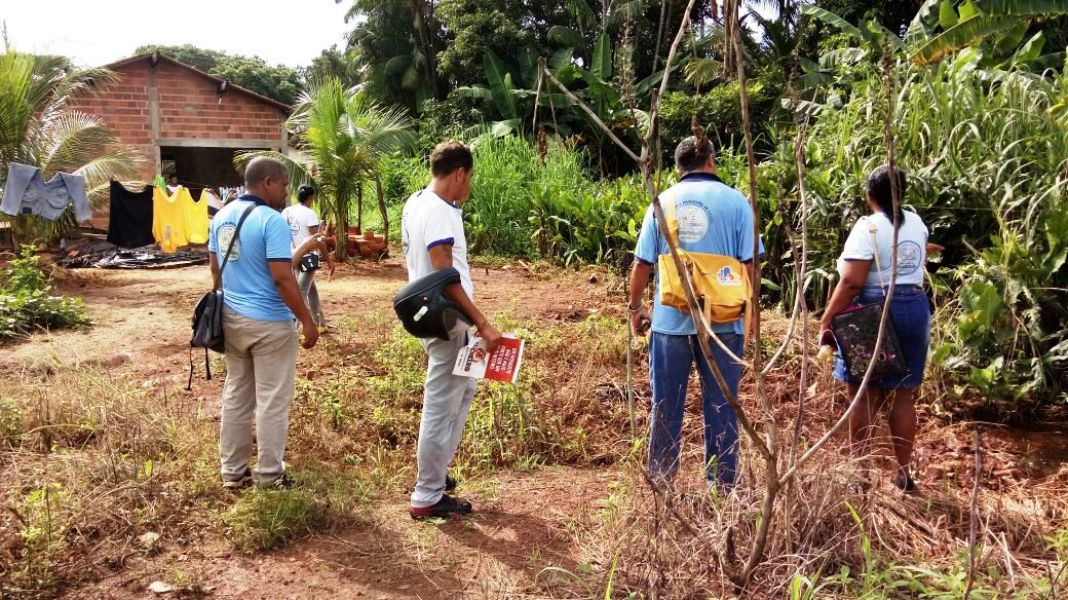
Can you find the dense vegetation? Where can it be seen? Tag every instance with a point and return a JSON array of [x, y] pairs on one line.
[[982, 135]]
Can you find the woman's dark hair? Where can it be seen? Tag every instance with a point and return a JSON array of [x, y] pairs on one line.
[[305, 192], [879, 188]]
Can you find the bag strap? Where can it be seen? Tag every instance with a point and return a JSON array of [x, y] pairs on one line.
[[207, 367], [872, 229], [667, 204], [226, 257]]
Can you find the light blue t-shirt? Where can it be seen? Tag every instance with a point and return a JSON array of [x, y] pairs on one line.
[[713, 219], [248, 288]]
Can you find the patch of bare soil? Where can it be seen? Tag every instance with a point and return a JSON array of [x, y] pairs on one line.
[[499, 551]]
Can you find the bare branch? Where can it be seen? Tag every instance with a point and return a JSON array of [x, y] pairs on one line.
[[589, 112], [973, 523], [654, 113], [895, 194], [760, 541]]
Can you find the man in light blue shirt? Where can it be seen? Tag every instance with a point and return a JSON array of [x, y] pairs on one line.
[[261, 298], [713, 219]]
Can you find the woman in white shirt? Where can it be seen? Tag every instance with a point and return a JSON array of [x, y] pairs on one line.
[[864, 267], [303, 225]]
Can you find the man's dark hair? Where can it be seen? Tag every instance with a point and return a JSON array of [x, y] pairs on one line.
[[879, 188], [172, 176], [449, 156], [261, 168], [690, 156], [304, 193]]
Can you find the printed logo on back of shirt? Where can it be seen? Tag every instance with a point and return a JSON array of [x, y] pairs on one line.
[[908, 257], [226, 233], [693, 222]]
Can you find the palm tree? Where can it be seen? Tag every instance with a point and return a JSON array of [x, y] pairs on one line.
[[343, 134], [38, 127]]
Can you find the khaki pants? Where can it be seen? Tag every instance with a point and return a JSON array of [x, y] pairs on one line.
[[261, 362]]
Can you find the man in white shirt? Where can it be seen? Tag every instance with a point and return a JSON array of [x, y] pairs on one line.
[[433, 235], [304, 223]]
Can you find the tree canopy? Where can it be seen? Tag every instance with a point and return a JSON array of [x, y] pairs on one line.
[[279, 82]]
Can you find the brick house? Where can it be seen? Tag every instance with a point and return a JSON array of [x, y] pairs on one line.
[[186, 121]]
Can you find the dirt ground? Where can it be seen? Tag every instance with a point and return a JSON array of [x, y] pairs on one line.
[[524, 520], [141, 327]]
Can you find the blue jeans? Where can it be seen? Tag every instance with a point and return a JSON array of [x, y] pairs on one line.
[[671, 359]]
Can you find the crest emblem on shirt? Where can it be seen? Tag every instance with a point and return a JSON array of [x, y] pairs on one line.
[[693, 222], [226, 233], [908, 257]]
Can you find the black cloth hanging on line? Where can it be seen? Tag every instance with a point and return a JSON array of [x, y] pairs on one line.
[[130, 221]]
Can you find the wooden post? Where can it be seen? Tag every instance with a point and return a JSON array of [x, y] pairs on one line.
[[154, 117]]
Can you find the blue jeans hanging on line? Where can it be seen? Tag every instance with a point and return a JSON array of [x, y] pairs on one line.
[[671, 359]]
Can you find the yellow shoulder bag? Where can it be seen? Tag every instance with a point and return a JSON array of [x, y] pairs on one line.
[[721, 282]]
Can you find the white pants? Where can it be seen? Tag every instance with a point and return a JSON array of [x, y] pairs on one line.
[[261, 364], [446, 401]]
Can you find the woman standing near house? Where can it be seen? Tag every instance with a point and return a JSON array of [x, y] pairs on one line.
[[864, 267], [303, 224]]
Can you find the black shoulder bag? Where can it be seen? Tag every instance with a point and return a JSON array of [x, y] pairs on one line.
[[425, 310], [207, 316]]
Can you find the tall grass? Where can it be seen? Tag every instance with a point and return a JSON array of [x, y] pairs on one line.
[[523, 207]]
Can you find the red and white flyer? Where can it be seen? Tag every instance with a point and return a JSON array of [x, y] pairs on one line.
[[500, 365]]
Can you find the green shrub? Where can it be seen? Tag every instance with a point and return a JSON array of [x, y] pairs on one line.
[[43, 536], [265, 519], [26, 302], [10, 423]]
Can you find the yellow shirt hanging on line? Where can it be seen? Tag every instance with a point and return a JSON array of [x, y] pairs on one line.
[[168, 219], [196, 217]]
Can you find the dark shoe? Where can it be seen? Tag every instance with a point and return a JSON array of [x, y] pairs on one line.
[[450, 483], [445, 508], [283, 482], [240, 483], [905, 483]]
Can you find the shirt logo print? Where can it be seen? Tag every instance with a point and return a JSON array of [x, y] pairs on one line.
[[726, 276]]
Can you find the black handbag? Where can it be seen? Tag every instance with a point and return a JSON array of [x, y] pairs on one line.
[[309, 262], [425, 311], [207, 316], [855, 330]]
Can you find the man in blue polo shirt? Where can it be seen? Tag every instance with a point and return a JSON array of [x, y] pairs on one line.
[[714, 219], [260, 297]]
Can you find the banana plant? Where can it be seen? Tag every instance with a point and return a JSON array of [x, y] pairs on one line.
[[513, 103], [941, 29]]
